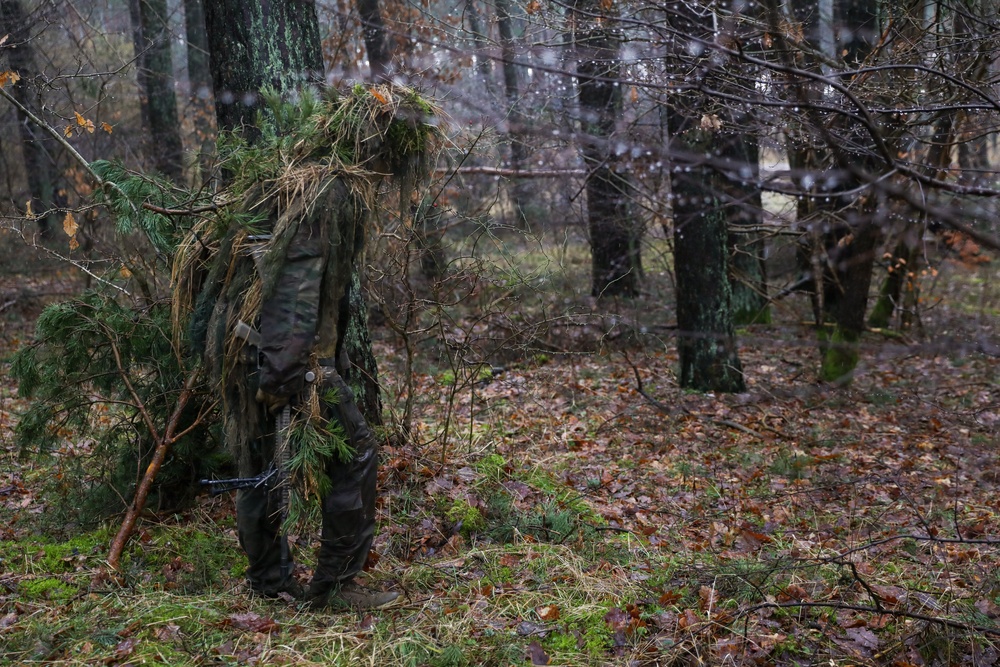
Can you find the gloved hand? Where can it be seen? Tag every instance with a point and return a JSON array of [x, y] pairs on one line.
[[273, 403]]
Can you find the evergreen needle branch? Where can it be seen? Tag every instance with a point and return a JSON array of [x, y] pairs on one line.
[[123, 374]]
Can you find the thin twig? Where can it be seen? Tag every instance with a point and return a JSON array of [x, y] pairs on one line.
[[968, 627]]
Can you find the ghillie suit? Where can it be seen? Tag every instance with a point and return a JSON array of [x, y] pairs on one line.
[[278, 265]]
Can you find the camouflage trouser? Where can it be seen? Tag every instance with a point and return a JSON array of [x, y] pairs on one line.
[[348, 510]]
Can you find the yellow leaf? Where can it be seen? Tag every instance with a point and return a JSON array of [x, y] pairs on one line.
[[69, 224], [534, 7], [68, 131], [378, 96], [86, 124], [73, 243], [9, 77], [28, 213], [125, 273], [107, 128]]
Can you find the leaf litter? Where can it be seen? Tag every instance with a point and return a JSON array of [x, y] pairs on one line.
[[793, 524]]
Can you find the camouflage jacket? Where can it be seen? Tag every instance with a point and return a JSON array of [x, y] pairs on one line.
[[300, 315]]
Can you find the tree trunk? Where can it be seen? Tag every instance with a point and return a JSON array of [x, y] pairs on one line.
[[202, 105], [847, 303], [373, 28], [748, 277], [706, 340], [484, 66], [255, 45], [38, 149], [748, 274], [515, 119], [705, 200], [614, 234], [155, 77], [199, 67]]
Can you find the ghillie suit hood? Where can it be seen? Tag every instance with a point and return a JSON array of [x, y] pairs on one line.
[[317, 164]]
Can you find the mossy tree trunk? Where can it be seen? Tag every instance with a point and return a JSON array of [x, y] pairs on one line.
[[38, 149], [256, 45], [155, 77], [900, 288], [706, 337], [855, 247], [848, 302], [703, 204], [614, 233], [832, 156]]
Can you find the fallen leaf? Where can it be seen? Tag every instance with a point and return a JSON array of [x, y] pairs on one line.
[[167, 632], [549, 612], [863, 637], [252, 623], [669, 597], [987, 607], [125, 648], [537, 654], [527, 628], [709, 598]]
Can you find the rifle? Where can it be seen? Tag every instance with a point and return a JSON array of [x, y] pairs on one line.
[[219, 486]]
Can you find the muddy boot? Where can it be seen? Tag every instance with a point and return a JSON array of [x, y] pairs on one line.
[[290, 588], [348, 596]]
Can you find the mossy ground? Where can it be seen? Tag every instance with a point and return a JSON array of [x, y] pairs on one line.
[[549, 511]]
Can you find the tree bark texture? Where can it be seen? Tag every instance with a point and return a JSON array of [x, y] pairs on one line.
[[38, 149], [155, 76], [614, 234], [484, 66], [706, 338], [201, 100], [254, 45]]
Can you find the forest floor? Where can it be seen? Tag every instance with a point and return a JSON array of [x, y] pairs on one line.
[[581, 509]]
